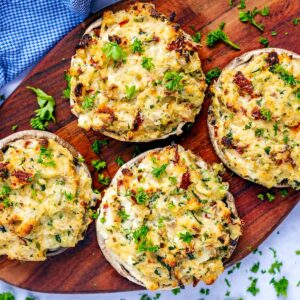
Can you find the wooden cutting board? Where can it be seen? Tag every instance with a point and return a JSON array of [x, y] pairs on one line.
[[83, 268]]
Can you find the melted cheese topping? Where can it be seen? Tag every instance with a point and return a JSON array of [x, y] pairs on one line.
[[166, 219], [152, 111], [259, 135], [45, 196]]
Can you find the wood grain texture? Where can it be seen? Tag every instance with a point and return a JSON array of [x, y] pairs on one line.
[[83, 268]]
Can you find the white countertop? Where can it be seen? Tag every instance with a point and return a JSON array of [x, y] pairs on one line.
[[285, 240]]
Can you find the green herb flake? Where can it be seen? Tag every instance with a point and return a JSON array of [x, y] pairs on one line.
[[58, 238], [242, 4], [219, 35], [67, 91], [264, 41], [204, 291], [147, 63], [296, 21], [97, 144], [280, 286], [123, 215], [7, 296], [273, 33], [267, 149], [14, 127], [284, 192], [99, 164], [196, 37], [227, 282], [248, 16], [186, 237], [44, 114], [276, 266], [88, 102], [284, 74], [297, 252], [176, 291], [274, 252], [259, 132], [271, 197], [141, 196], [212, 74], [131, 91], [120, 161], [252, 288], [104, 180], [137, 46], [159, 171], [114, 52], [255, 267], [173, 81]]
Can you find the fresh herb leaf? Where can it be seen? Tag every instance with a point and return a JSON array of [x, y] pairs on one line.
[[284, 192], [212, 74], [267, 115], [114, 52], [284, 74], [67, 91], [173, 81], [44, 114], [45, 157], [218, 35], [99, 164], [120, 161], [130, 91], [186, 237], [242, 4], [274, 252], [296, 21], [147, 63], [275, 128], [255, 268], [104, 180], [259, 132], [264, 41], [297, 252], [159, 171], [141, 196], [137, 46], [276, 266], [69, 196], [123, 215], [273, 33], [176, 291], [267, 149], [271, 197], [58, 238], [252, 288], [196, 37], [204, 291], [14, 127], [248, 16], [227, 282], [97, 144], [88, 102], [280, 286], [140, 233], [7, 296]]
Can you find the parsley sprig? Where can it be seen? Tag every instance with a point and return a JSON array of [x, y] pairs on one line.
[[248, 16], [212, 74], [219, 35], [44, 114], [114, 52], [66, 92], [173, 81]]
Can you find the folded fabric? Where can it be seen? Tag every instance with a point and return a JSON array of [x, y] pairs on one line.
[[30, 28]]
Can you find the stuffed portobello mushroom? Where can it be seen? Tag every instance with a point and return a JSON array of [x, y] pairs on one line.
[[136, 76], [168, 220], [254, 120], [45, 196]]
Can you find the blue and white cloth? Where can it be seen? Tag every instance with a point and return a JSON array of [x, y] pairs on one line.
[[30, 28]]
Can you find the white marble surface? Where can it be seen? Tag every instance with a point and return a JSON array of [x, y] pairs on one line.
[[285, 240]]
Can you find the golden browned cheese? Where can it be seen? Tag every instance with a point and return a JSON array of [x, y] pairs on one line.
[[45, 197], [137, 76], [256, 111], [168, 219]]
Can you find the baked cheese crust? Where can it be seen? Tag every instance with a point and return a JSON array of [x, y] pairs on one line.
[[136, 76], [255, 117], [45, 196], [168, 220]]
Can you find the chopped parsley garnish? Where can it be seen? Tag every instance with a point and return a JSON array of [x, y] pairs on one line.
[[204, 291], [212, 74], [296, 21], [113, 51], [137, 46], [283, 74], [176, 291], [275, 128], [297, 252], [140, 233], [227, 282], [147, 63], [196, 37], [173, 179], [97, 144], [271, 197], [7, 296], [218, 35], [120, 161], [248, 126], [45, 157], [130, 91], [141, 196], [66, 92], [273, 33], [88, 102], [264, 41], [99, 164], [284, 192], [255, 268], [123, 215], [248, 16], [267, 149], [44, 114], [252, 288], [259, 132], [276, 266], [139, 237], [14, 127], [186, 237], [274, 252], [69, 196], [280, 286], [173, 81], [242, 4], [159, 171], [58, 238], [104, 180]]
